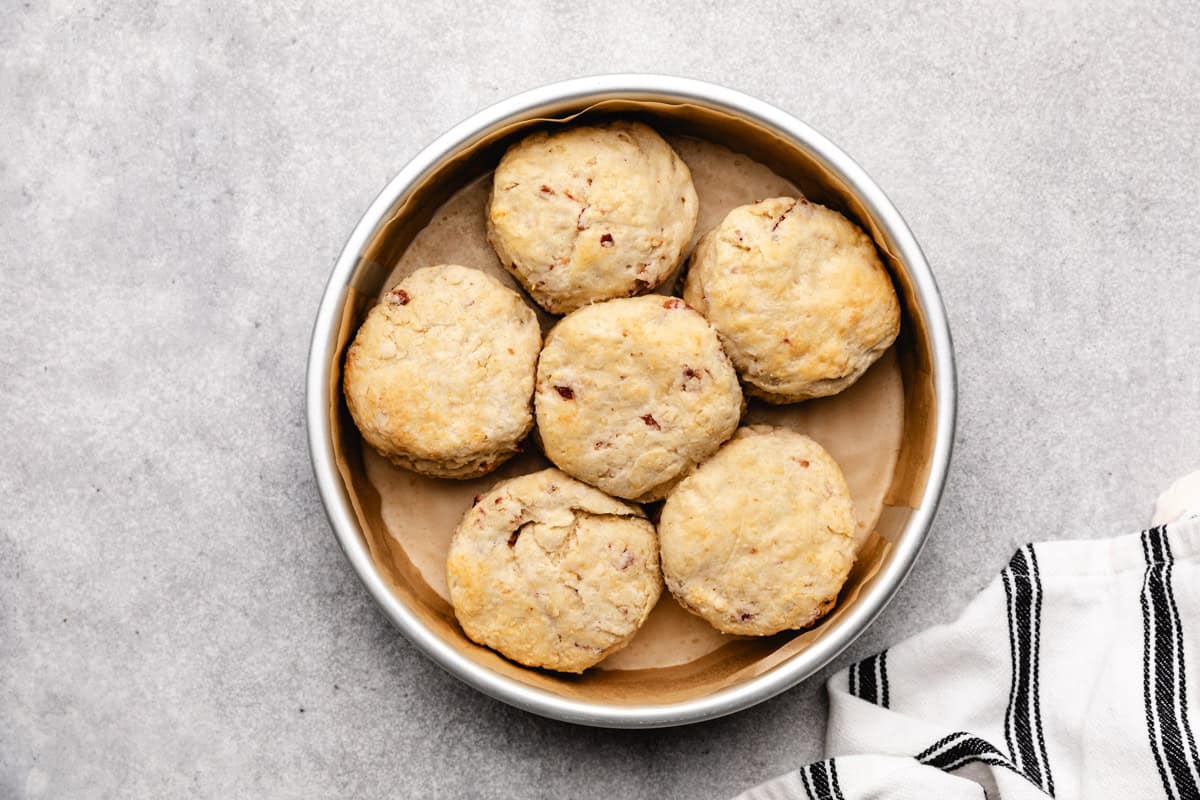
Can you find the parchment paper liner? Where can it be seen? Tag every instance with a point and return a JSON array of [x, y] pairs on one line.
[[740, 659]]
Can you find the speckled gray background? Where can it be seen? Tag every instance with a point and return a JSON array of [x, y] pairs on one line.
[[175, 183]]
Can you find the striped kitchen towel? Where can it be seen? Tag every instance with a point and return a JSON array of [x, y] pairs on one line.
[[1070, 676]]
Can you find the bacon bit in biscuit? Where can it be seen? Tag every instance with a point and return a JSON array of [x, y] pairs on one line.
[[475, 502], [499, 500], [651, 422], [510, 351], [783, 216], [675, 303], [566, 392], [746, 616], [601, 445], [398, 297], [626, 559], [802, 462], [546, 189], [519, 524], [606, 240], [570, 196]]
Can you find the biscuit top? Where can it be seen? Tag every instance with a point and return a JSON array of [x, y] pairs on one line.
[[798, 294], [443, 368], [591, 213], [551, 572], [760, 538], [631, 393]]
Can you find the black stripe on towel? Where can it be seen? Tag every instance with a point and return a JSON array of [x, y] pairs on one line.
[[1023, 718], [1048, 784], [868, 688], [884, 692], [1189, 743], [1148, 650], [820, 778], [868, 680], [806, 779], [833, 781], [807, 784], [820, 781], [960, 749], [1164, 683]]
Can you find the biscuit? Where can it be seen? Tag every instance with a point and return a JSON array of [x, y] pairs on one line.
[[551, 572], [591, 213], [632, 393], [440, 376], [760, 538], [799, 296]]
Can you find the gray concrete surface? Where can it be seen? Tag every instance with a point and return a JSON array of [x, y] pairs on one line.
[[175, 182]]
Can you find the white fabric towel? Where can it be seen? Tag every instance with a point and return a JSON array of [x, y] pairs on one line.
[[1070, 676]]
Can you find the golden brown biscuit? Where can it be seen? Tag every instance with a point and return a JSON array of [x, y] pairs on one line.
[[760, 538], [439, 377], [591, 213], [632, 393], [798, 295], [551, 572]]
